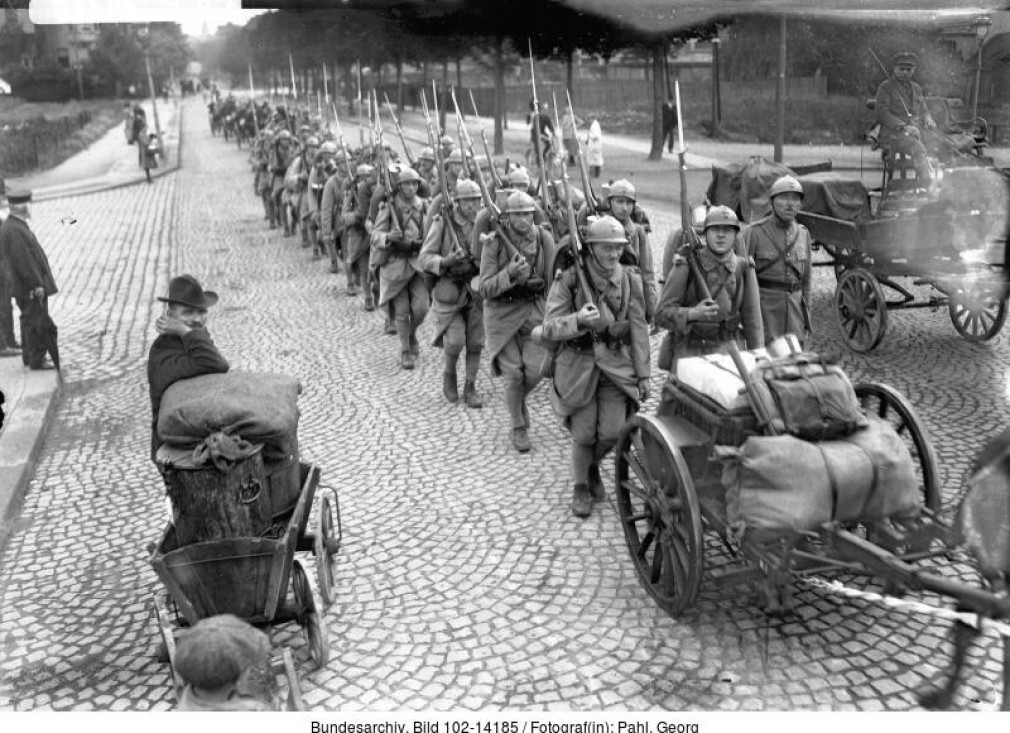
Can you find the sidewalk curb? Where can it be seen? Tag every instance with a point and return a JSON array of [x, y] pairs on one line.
[[28, 424], [22, 439]]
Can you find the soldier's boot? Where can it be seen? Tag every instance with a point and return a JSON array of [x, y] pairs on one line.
[[450, 388], [596, 488], [470, 387], [515, 404], [582, 501], [331, 252], [352, 278], [389, 328], [306, 242], [415, 347], [366, 287], [403, 331]]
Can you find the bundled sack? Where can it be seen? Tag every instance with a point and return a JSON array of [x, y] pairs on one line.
[[258, 407], [784, 483], [808, 398], [716, 377]]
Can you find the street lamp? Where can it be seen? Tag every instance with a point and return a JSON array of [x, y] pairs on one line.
[[981, 27]]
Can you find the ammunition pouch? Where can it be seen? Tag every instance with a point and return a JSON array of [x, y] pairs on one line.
[[462, 271], [715, 332], [529, 290]]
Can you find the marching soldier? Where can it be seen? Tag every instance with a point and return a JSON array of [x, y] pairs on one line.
[[264, 178], [281, 156], [453, 170], [637, 256], [457, 309], [331, 223], [781, 249], [699, 327], [426, 168], [602, 369], [323, 167], [296, 184], [396, 240], [356, 239], [514, 289]]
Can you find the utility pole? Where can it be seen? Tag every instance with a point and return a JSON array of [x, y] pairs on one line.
[[780, 94], [150, 82]]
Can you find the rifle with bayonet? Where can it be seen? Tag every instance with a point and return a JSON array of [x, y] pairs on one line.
[[340, 138], [446, 202], [485, 195], [538, 146], [487, 150], [462, 147], [591, 202], [399, 132], [573, 228], [692, 244]]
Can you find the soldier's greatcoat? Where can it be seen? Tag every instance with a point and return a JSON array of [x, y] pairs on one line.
[[784, 269], [453, 294]]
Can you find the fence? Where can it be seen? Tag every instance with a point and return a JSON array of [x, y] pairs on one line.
[[613, 94], [36, 144]]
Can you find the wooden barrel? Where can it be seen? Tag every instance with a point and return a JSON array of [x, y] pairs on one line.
[[208, 504]]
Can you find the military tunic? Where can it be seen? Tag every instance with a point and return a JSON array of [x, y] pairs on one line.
[[783, 264], [400, 276]]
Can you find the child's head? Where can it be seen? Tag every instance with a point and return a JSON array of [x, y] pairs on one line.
[[213, 654]]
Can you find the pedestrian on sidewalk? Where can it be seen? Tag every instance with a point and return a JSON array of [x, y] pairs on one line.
[[150, 148], [569, 129], [594, 151], [31, 281], [9, 345], [669, 121]]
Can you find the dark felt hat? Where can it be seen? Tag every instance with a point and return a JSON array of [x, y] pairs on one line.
[[185, 290], [19, 195], [905, 58], [216, 650]]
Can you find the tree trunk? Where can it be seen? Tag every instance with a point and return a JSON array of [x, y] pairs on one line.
[[499, 96], [443, 98], [570, 73], [459, 74], [658, 52], [399, 83]]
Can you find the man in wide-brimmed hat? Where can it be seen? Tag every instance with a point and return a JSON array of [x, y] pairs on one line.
[[30, 280], [183, 348]]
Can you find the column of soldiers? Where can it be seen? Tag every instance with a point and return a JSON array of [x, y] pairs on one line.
[[551, 284]]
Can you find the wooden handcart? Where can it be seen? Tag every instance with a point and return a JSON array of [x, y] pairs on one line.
[[669, 494], [257, 579]]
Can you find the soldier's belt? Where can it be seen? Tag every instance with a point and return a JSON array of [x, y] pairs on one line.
[[784, 287], [714, 333], [520, 293]]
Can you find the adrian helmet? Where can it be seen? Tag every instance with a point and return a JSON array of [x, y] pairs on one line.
[[312, 142], [467, 189], [606, 229], [407, 175], [519, 177], [519, 203], [622, 187], [363, 170], [785, 184], [328, 148], [721, 216], [426, 154]]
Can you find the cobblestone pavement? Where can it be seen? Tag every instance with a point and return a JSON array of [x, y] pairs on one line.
[[464, 581]]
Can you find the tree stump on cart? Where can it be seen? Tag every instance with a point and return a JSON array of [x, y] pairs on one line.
[[208, 504]]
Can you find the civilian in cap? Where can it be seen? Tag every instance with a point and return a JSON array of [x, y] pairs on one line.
[[903, 115], [183, 348], [31, 279], [225, 665], [8, 344]]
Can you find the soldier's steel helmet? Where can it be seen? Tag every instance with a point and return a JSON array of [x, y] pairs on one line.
[[312, 142], [284, 135], [519, 203], [328, 148], [408, 175], [467, 190], [445, 141], [519, 177], [721, 216], [426, 154], [455, 157], [363, 170], [785, 184], [622, 187], [606, 229]]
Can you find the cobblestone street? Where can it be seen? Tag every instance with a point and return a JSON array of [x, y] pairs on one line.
[[463, 582]]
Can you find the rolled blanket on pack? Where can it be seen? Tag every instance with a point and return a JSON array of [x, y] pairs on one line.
[[257, 407], [785, 483]]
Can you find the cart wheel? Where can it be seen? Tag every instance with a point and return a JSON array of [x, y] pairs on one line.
[[312, 623], [888, 404], [861, 309], [324, 547], [659, 513], [978, 314], [168, 642], [294, 701]]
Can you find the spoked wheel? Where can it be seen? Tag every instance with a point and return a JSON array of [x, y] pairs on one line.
[[325, 547], [861, 309], [978, 314], [659, 513], [312, 623], [888, 404], [168, 642]]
